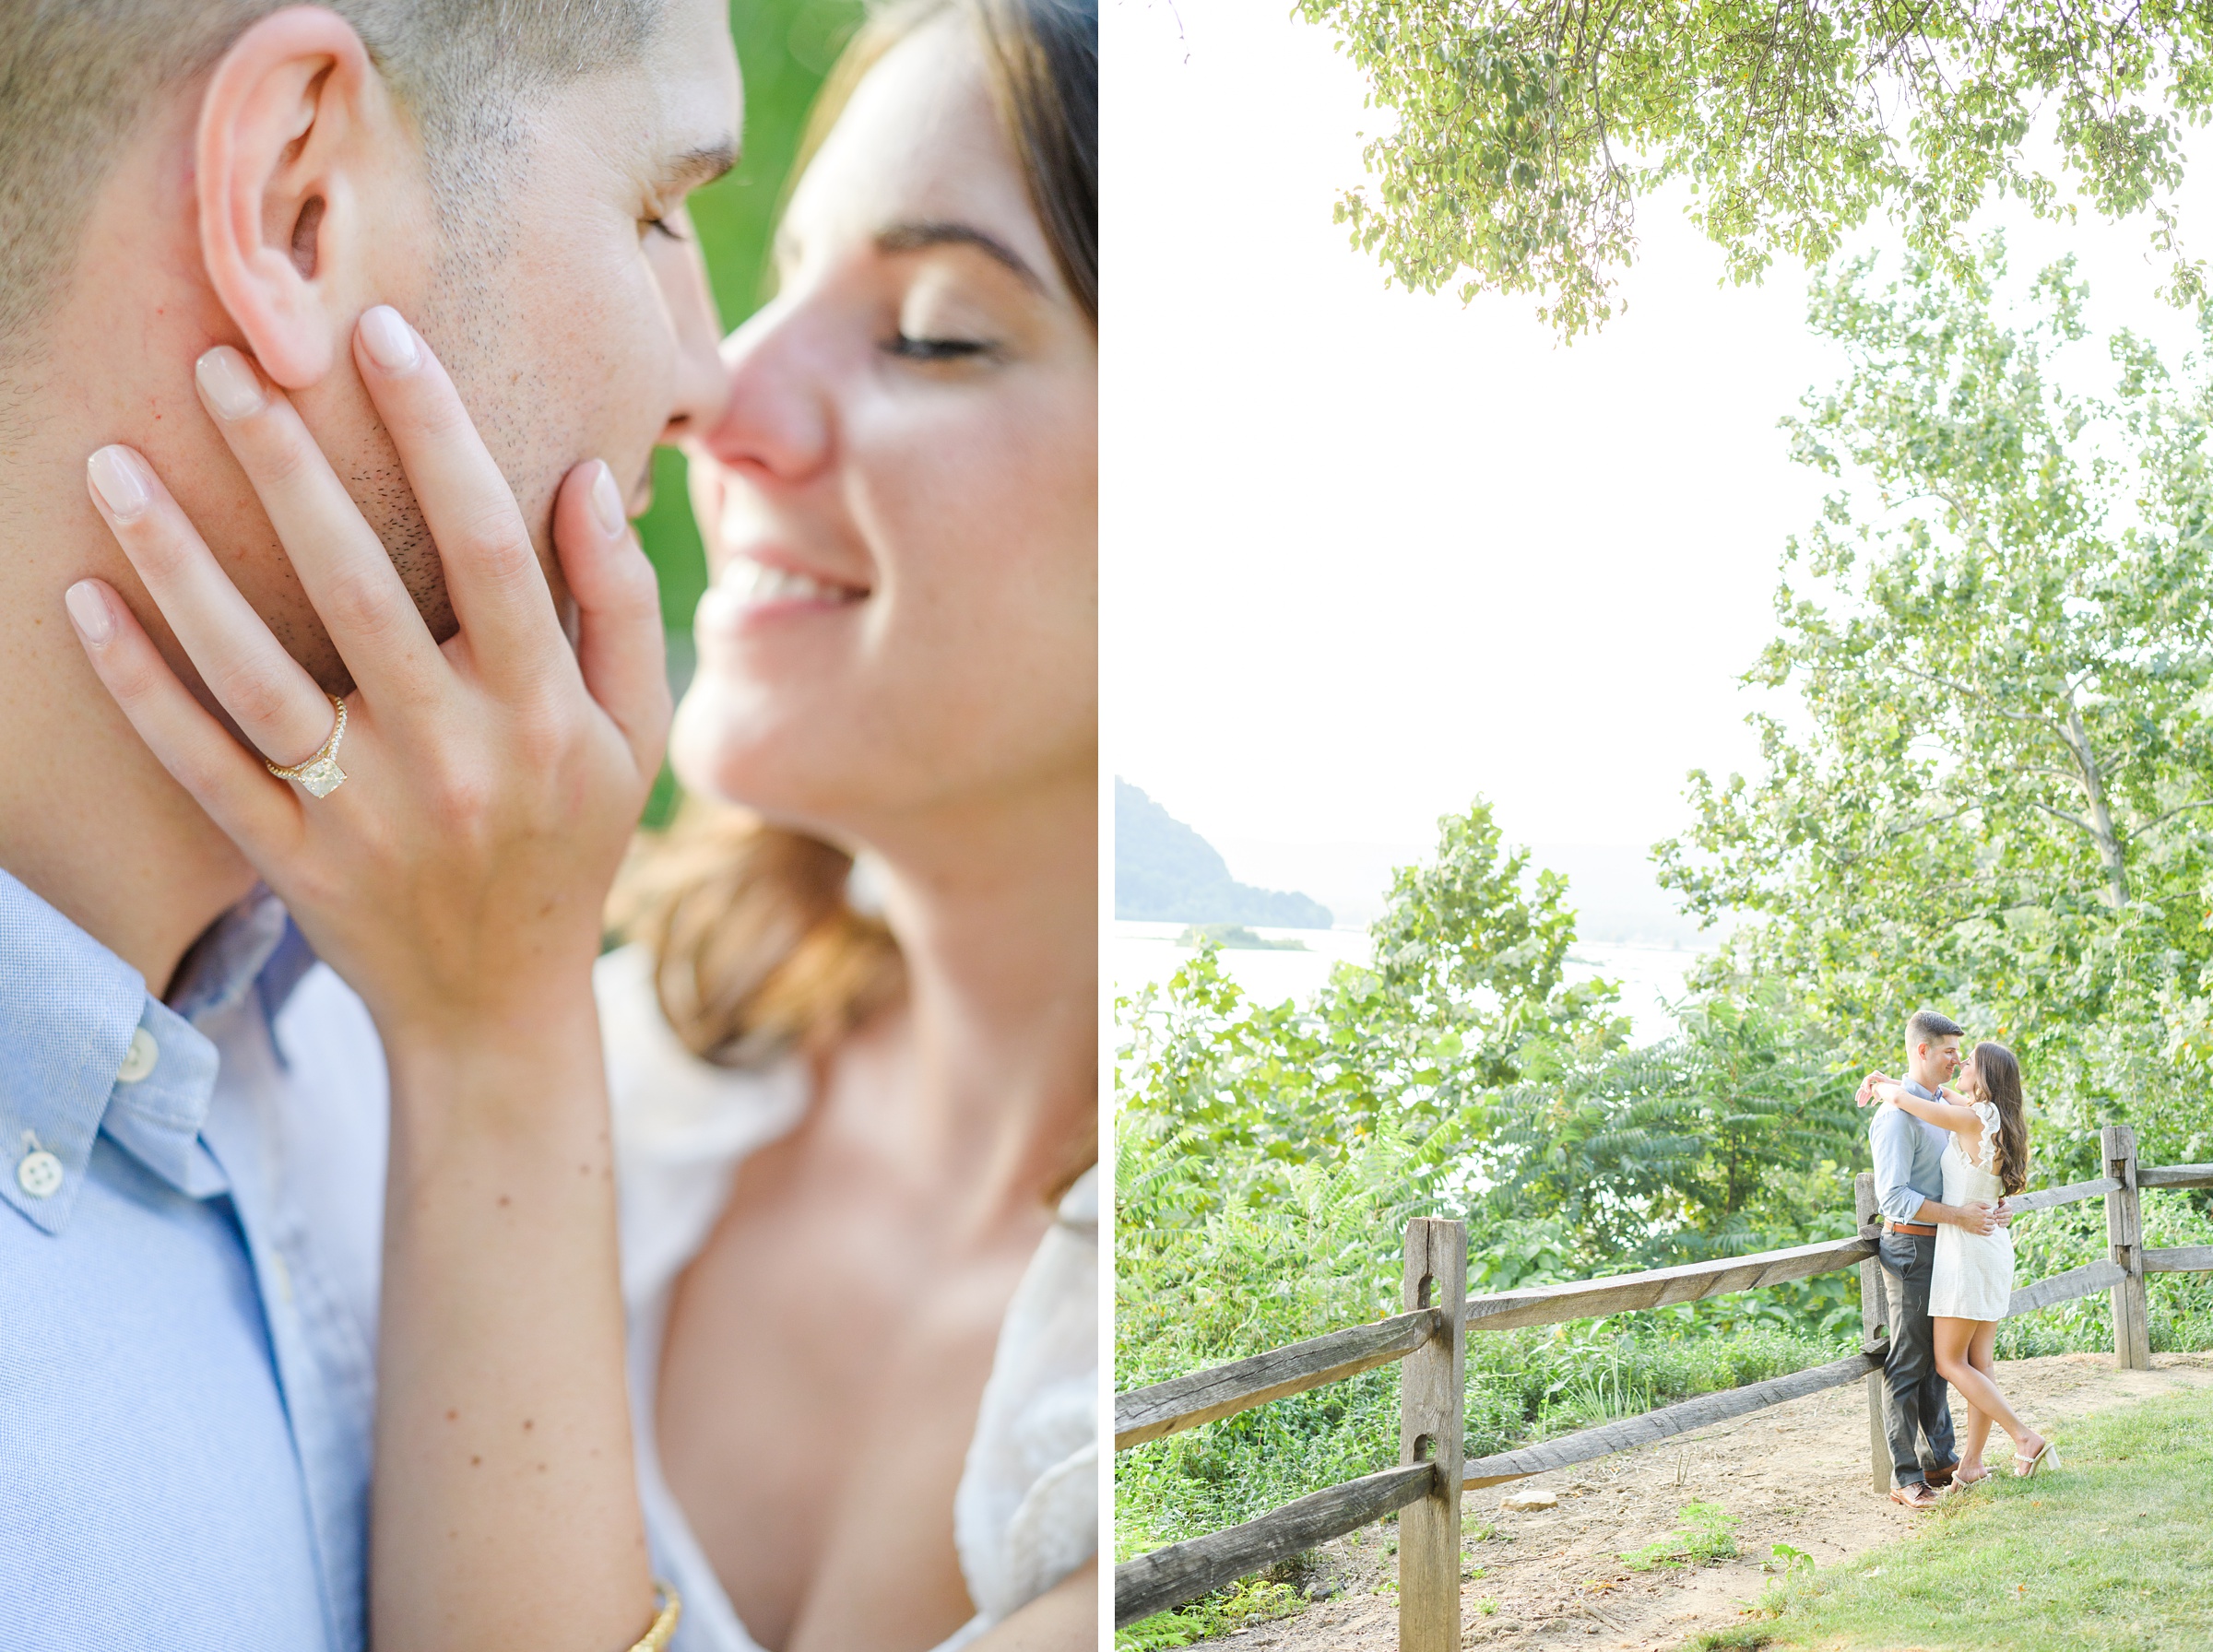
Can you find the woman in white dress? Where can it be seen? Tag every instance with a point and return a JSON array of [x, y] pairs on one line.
[[856, 1112], [1971, 1285]]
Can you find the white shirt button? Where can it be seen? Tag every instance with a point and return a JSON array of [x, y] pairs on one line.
[[138, 1060], [40, 1174]]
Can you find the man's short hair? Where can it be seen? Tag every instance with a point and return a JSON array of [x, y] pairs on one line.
[[76, 76], [1930, 1026]]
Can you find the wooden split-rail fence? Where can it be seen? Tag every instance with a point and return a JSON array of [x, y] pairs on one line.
[[1431, 1340]]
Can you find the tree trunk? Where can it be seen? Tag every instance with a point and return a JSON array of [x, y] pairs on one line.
[[2102, 819]]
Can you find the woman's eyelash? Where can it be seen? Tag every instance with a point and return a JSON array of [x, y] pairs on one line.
[[936, 349], [666, 227]]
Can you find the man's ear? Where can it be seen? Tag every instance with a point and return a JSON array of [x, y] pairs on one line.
[[277, 155]]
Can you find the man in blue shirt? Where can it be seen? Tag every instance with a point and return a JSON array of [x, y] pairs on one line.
[[1909, 1190], [192, 1110]]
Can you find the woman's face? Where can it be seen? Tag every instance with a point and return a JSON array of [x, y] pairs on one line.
[[900, 499]]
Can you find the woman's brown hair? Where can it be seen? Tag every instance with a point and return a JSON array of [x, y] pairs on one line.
[[1042, 58], [757, 951], [2000, 1077]]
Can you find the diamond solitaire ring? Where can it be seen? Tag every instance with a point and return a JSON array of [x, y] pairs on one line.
[[320, 774]]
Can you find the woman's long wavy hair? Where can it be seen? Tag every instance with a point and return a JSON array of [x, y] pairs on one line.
[[2000, 1075], [757, 951]]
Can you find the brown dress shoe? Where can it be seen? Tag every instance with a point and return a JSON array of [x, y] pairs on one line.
[[1941, 1478], [1915, 1495]]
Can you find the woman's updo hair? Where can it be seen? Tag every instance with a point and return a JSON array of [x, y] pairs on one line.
[[757, 951], [2000, 1077]]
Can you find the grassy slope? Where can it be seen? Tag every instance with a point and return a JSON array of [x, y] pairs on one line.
[[2116, 1551]]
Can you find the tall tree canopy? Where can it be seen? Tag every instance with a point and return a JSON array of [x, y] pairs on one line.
[[1993, 792], [1526, 130]]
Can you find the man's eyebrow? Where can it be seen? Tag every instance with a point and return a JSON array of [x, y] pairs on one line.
[[915, 237], [701, 164]]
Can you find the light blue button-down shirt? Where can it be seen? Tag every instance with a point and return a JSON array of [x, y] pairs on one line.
[[187, 1292], [1908, 1159]]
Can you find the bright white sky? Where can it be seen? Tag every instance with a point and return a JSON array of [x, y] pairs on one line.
[[1368, 554]]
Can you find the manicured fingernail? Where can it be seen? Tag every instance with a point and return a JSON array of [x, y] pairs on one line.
[[88, 609], [115, 477], [607, 502], [229, 383], [389, 340]]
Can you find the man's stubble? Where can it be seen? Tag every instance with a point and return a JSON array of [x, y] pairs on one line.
[[468, 316]]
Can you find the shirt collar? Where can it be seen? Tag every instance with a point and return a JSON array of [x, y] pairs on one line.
[[70, 1014]]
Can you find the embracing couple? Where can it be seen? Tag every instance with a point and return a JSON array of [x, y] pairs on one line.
[[1945, 1161], [384, 1266]]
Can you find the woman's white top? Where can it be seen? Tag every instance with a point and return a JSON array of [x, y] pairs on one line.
[[1025, 1514], [1974, 1273]]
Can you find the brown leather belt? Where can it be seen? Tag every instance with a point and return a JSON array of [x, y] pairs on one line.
[[1915, 1229]]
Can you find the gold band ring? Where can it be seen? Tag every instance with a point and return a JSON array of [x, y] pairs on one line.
[[320, 774]]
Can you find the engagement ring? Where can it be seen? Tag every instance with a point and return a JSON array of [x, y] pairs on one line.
[[320, 774]]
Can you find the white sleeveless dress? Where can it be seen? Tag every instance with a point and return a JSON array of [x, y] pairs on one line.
[[1025, 1513], [1973, 1276]]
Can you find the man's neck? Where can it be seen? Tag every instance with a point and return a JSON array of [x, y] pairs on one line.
[[89, 822]]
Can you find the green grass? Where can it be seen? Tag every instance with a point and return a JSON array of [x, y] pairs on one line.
[[1243, 1603], [1707, 1535], [2113, 1553]]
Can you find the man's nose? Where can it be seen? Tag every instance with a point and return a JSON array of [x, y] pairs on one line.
[[700, 390]]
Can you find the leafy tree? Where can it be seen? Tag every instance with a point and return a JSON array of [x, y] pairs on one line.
[[1468, 985], [1525, 131], [1990, 792], [1465, 1062], [1689, 1147], [1471, 944]]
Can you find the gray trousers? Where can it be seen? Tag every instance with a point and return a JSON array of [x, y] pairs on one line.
[[1917, 1412]]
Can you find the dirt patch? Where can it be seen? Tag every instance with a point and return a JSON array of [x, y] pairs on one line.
[[1795, 1474]]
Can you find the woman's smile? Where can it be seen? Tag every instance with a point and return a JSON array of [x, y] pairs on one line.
[[754, 590]]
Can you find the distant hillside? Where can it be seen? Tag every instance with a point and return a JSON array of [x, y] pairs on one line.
[[1164, 872]]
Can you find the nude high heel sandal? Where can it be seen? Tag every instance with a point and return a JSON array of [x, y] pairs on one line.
[[2025, 1465]]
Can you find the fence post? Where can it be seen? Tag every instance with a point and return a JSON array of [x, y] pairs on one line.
[[1873, 1312], [2124, 1233], [1432, 1398]]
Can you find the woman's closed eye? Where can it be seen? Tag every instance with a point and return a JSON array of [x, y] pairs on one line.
[[909, 347], [946, 314]]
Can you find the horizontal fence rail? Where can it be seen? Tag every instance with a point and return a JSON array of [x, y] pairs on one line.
[[1180, 1571], [2185, 1258], [1667, 1422], [2175, 1176], [1662, 1287], [2047, 1197], [2086, 1281], [1184, 1402]]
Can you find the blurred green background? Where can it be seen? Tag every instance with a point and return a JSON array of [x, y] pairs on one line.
[[785, 47]]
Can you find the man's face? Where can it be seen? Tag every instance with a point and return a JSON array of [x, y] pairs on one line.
[[1940, 1060], [546, 309]]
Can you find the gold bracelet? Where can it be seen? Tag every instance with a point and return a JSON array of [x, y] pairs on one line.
[[666, 1609]]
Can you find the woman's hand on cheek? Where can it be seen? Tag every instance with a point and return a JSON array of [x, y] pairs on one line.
[[456, 876]]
